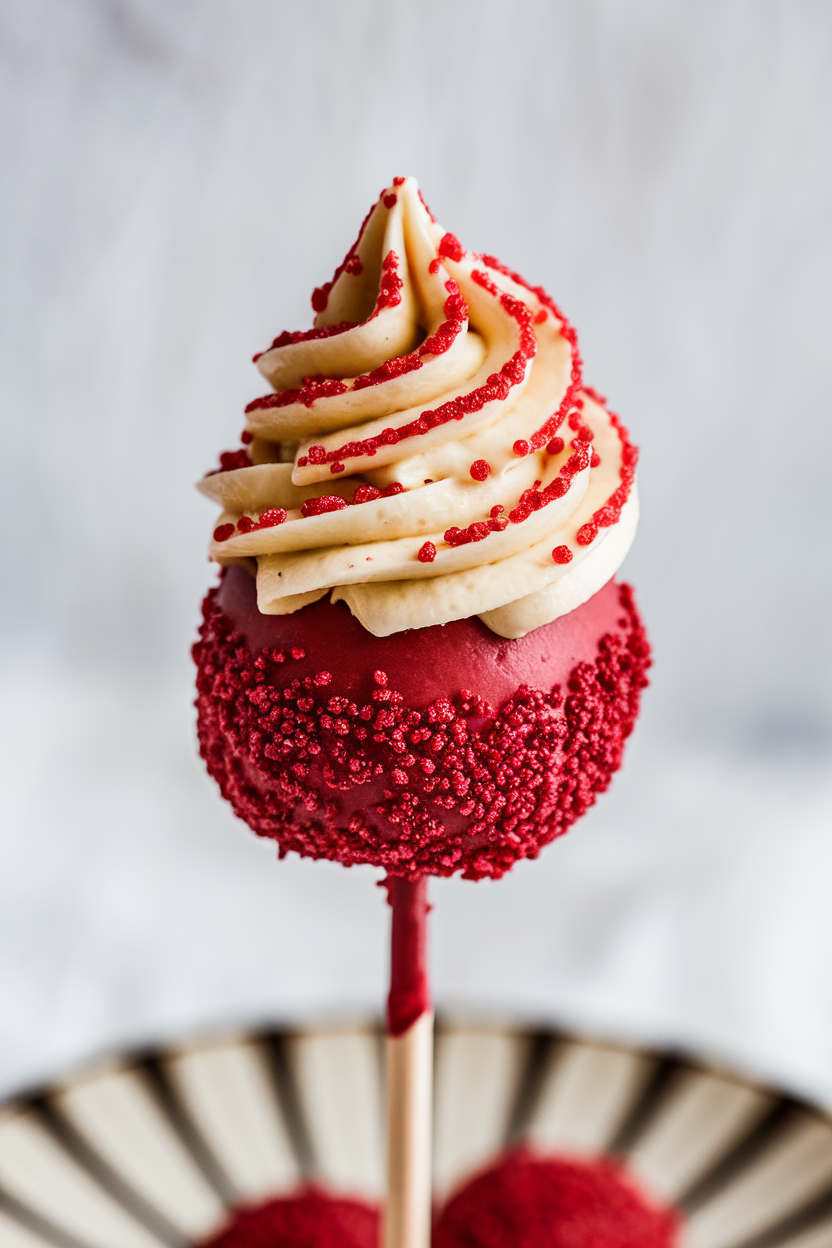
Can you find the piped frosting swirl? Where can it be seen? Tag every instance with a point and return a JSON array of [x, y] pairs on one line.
[[429, 451]]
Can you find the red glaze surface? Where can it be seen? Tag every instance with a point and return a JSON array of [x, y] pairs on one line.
[[310, 1219], [409, 996], [527, 1202], [432, 751]]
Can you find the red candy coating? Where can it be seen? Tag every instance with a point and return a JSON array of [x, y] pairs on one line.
[[409, 996], [528, 1202], [309, 1219], [477, 753]]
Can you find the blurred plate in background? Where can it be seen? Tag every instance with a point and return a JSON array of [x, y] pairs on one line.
[[152, 1151]]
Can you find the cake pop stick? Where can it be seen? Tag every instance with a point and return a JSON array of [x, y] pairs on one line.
[[409, 1056]]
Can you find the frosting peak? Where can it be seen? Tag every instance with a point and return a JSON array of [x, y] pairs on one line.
[[428, 451]]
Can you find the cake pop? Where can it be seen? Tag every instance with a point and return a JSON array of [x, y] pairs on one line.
[[535, 1202], [417, 656], [308, 1219]]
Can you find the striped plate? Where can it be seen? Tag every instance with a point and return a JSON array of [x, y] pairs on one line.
[[150, 1151]]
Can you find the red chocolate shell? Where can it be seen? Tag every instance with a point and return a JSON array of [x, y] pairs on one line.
[[433, 750]]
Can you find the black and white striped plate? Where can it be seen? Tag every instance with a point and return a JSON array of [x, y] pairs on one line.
[[151, 1152]]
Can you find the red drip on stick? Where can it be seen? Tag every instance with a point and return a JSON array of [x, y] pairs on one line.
[[409, 996]]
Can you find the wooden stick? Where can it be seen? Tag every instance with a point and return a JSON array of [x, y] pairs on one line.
[[409, 1070]]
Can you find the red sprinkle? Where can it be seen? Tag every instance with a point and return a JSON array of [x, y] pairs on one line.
[[223, 531], [594, 460], [427, 553], [319, 506], [555, 446], [272, 517], [245, 524], [366, 494], [562, 554], [451, 247], [246, 436], [587, 533], [390, 200], [521, 447], [480, 469]]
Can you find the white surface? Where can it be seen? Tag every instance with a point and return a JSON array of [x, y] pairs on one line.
[[229, 1093], [337, 1075], [178, 176]]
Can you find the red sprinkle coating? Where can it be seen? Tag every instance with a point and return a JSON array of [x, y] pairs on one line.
[[223, 531], [562, 554], [453, 786], [533, 1202], [427, 553], [308, 1219], [480, 470]]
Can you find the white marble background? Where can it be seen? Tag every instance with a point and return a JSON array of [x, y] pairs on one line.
[[177, 176]]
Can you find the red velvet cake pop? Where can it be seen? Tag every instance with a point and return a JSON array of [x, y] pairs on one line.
[[536, 1202], [308, 1219], [417, 656]]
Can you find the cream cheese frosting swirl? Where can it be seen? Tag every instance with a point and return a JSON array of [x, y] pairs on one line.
[[429, 451]]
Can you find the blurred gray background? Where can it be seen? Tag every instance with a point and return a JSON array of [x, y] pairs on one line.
[[178, 175]]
